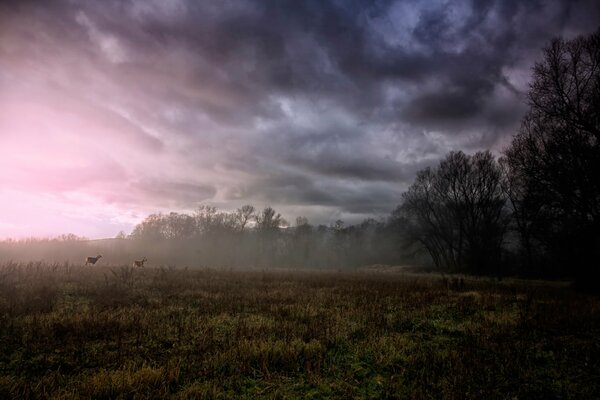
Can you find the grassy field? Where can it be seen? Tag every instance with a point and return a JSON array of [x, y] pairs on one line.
[[69, 332]]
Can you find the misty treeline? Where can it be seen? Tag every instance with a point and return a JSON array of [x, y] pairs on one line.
[[248, 237], [244, 238], [532, 211]]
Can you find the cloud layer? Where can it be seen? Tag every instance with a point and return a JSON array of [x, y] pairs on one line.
[[110, 110]]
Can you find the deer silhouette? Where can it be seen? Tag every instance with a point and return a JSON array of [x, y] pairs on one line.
[[139, 263], [92, 260]]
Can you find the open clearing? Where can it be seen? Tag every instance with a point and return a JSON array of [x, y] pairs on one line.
[[100, 332]]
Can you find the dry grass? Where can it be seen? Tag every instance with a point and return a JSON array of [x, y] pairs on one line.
[[68, 332]]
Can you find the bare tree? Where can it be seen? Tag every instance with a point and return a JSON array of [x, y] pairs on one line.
[[456, 212], [211, 221], [151, 228], [553, 163], [268, 224], [178, 226], [269, 220], [244, 215]]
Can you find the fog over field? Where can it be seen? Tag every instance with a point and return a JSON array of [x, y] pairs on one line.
[[299, 199], [113, 110]]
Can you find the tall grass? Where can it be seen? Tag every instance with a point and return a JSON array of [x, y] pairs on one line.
[[72, 332]]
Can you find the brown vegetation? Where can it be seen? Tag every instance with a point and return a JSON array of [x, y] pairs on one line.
[[70, 332]]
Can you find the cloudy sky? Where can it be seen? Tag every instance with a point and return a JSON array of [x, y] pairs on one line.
[[111, 110]]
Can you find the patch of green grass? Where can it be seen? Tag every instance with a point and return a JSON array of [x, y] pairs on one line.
[[108, 333]]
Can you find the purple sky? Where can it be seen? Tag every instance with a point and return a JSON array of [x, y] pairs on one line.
[[111, 110]]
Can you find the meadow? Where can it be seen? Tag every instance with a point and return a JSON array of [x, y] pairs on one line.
[[114, 332]]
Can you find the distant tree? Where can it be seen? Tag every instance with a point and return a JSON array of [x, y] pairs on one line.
[[268, 226], [455, 211], [69, 237], [301, 221], [151, 228], [179, 226], [210, 221], [339, 242], [302, 242], [303, 228], [205, 217], [269, 220], [338, 225], [553, 163], [165, 226], [244, 215]]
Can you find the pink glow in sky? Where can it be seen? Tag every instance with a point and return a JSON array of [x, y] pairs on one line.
[[112, 110], [72, 156]]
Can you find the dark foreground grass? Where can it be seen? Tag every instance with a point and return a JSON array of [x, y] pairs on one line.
[[68, 332]]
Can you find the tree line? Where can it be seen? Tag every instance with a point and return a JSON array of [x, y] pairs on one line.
[[248, 237], [532, 211], [536, 209]]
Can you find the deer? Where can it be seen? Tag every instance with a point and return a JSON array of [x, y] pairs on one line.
[[92, 260], [139, 263]]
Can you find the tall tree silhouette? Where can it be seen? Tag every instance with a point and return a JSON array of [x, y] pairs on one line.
[[553, 163], [456, 212]]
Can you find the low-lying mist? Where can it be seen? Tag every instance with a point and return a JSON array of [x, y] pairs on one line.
[[241, 239]]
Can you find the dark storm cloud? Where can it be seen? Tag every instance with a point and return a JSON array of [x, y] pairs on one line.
[[325, 103], [300, 189]]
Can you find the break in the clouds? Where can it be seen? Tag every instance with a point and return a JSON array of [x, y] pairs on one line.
[[110, 110]]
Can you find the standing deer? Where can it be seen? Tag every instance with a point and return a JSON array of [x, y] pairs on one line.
[[139, 263], [92, 260]]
